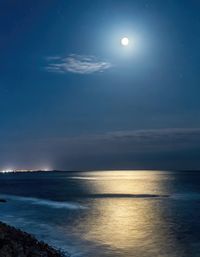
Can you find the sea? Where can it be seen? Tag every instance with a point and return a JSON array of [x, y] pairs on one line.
[[107, 213]]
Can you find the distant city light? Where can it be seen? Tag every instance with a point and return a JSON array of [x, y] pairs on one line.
[[46, 169], [6, 171], [23, 170]]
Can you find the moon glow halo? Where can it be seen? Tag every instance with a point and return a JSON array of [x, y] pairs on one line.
[[124, 41]]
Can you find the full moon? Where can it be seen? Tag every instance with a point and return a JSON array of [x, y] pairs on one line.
[[124, 41]]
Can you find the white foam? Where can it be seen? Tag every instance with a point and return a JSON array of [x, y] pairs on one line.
[[85, 178], [44, 202]]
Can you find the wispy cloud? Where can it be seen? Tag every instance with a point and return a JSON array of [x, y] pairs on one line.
[[81, 64]]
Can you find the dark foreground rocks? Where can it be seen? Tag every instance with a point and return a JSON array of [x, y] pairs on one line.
[[16, 243]]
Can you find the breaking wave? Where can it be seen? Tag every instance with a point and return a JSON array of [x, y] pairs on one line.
[[44, 202]]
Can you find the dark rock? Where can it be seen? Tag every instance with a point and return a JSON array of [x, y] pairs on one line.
[[16, 243], [3, 201]]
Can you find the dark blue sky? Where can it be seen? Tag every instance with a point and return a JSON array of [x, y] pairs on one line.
[[72, 97]]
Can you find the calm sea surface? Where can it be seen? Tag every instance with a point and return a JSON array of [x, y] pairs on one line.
[[107, 214]]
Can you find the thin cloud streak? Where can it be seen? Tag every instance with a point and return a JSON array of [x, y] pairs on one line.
[[172, 148], [80, 64]]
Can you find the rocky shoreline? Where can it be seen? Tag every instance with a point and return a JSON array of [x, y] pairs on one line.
[[16, 243]]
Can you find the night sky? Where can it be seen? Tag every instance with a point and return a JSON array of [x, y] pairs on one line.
[[73, 98]]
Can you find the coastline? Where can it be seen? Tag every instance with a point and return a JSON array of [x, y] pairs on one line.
[[14, 242]]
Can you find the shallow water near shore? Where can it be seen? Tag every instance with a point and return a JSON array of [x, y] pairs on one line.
[[107, 214]]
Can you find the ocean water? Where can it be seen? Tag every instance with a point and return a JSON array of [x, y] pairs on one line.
[[107, 213]]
